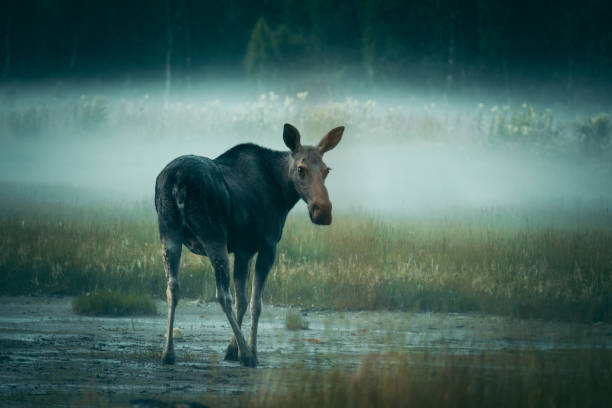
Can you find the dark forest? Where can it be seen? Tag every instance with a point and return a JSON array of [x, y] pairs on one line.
[[452, 41]]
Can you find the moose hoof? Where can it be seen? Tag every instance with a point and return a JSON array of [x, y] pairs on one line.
[[231, 353], [168, 357], [248, 360]]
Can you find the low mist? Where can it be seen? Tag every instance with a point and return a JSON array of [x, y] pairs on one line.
[[403, 152]]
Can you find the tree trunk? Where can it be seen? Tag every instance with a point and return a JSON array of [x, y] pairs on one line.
[[74, 53], [506, 76], [168, 52], [188, 50], [450, 73], [7, 45]]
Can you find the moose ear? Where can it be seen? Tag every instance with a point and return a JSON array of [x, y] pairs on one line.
[[331, 139], [291, 136]]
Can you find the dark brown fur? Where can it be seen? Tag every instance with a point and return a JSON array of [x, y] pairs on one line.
[[237, 203]]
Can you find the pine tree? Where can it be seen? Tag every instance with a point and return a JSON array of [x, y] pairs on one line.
[[262, 49]]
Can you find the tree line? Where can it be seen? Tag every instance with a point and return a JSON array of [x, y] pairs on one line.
[[452, 40]]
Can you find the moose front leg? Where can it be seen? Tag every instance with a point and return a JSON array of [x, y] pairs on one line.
[[242, 267], [265, 259], [220, 262]]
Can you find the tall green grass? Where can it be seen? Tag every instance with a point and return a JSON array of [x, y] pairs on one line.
[[549, 264]]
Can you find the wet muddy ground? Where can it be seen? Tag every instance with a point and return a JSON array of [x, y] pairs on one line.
[[50, 356]]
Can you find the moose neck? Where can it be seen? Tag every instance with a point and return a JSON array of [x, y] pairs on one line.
[[278, 168]]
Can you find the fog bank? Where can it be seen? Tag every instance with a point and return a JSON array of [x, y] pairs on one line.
[[427, 154]]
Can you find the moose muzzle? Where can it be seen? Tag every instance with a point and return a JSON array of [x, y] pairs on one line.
[[320, 212]]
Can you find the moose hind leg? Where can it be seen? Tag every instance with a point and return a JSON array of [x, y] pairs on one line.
[[242, 267], [265, 259], [171, 252], [220, 262]]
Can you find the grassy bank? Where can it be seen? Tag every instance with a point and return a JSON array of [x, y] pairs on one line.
[[552, 263]]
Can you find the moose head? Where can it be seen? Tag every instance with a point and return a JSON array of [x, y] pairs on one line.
[[307, 171]]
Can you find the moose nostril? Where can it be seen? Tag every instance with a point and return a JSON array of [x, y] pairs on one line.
[[315, 208]]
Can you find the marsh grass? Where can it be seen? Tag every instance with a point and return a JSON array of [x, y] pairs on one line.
[[484, 262], [108, 303], [71, 248], [556, 378], [552, 264]]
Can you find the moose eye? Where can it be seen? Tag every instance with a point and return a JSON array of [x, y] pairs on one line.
[[301, 171]]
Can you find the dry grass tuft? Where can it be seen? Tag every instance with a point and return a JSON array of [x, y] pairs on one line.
[[107, 303], [295, 321], [557, 378]]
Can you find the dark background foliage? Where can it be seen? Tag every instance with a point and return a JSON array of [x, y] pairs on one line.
[[560, 42]]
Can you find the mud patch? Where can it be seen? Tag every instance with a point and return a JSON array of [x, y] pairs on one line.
[[50, 356]]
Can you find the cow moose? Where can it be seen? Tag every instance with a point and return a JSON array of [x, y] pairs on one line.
[[237, 203]]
